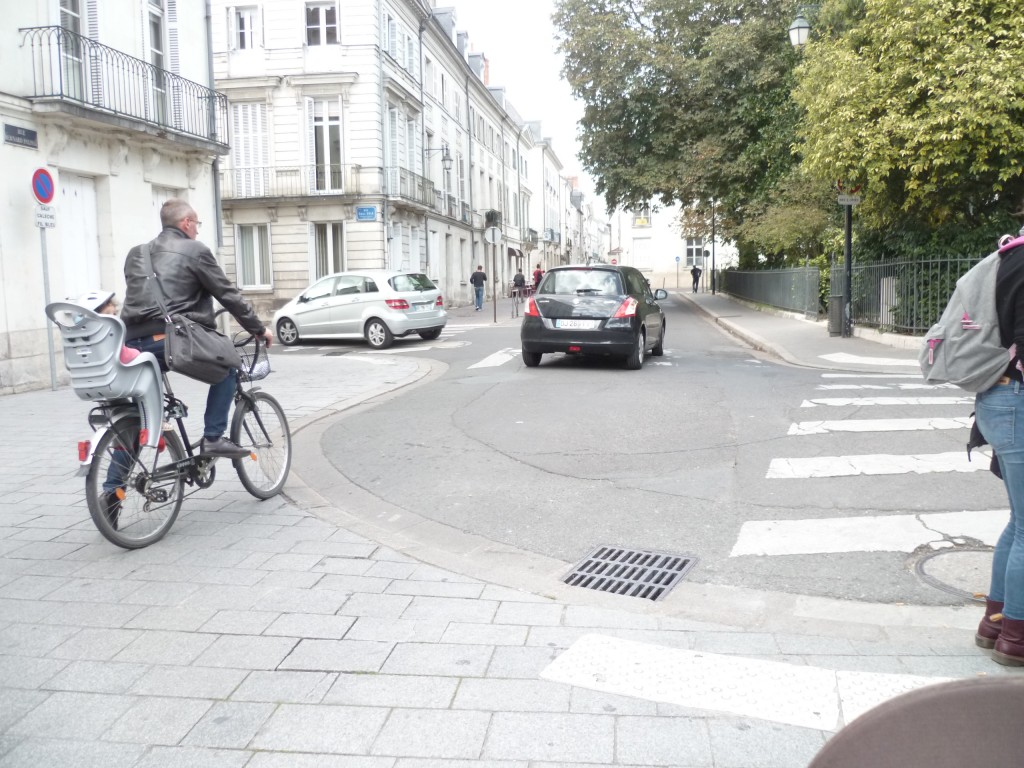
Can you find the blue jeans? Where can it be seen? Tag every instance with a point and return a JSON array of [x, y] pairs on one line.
[[997, 411], [478, 296], [218, 401]]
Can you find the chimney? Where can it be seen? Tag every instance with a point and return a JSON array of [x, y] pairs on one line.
[[463, 42], [487, 71]]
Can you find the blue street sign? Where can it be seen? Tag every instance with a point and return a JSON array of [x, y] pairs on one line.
[[366, 213], [678, 259]]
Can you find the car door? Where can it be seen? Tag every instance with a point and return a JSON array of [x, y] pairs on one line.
[[647, 307], [350, 296], [312, 313]]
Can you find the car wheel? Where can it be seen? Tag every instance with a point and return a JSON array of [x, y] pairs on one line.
[[636, 358], [430, 335], [287, 333], [531, 359], [659, 349], [377, 333]]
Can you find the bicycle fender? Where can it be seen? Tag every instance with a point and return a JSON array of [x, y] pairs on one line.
[[94, 440]]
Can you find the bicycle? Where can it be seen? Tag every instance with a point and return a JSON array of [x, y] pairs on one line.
[[147, 473]]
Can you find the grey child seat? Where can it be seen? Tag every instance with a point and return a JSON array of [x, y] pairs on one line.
[[92, 353]]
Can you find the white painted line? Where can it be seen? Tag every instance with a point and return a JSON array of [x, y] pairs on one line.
[[846, 357], [801, 695], [877, 425], [877, 533], [862, 401], [904, 386], [500, 357], [877, 464], [870, 376], [831, 387]]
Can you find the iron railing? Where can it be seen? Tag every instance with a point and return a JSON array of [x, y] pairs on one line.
[[411, 186], [792, 289], [903, 296], [69, 67], [291, 181]]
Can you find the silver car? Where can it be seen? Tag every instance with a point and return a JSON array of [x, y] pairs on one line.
[[377, 305]]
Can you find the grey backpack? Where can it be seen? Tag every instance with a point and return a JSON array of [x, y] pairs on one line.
[[963, 348]]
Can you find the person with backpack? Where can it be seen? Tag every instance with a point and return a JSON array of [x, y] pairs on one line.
[[999, 417], [538, 273]]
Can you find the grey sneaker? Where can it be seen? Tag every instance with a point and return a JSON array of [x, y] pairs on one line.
[[223, 447]]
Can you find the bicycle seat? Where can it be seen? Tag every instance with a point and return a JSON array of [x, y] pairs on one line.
[[92, 353]]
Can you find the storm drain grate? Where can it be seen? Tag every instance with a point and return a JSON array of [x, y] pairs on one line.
[[631, 572]]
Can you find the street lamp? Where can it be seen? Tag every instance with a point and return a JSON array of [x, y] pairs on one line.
[[446, 156], [799, 31]]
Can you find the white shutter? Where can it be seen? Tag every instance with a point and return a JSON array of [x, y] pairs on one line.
[[94, 73], [393, 160], [232, 28], [258, 37], [392, 38], [310, 143]]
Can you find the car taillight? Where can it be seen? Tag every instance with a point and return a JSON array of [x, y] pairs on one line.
[[440, 301], [397, 303], [627, 308], [531, 308]]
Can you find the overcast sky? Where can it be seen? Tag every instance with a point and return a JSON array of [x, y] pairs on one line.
[[518, 39]]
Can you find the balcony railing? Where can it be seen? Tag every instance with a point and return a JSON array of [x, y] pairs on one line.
[[411, 186], [291, 181], [71, 68]]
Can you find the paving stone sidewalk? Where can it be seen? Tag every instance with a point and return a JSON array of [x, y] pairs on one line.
[[257, 634]]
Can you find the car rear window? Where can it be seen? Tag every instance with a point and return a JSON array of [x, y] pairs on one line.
[[412, 282], [594, 282]]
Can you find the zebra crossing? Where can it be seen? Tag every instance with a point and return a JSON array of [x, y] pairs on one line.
[[858, 394]]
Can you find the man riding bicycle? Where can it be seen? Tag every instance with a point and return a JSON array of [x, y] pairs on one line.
[[189, 279]]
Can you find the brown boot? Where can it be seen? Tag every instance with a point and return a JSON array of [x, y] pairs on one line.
[[990, 625], [1009, 649]]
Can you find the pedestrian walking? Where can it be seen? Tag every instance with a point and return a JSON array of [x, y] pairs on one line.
[[477, 280], [538, 273], [997, 409], [695, 273]]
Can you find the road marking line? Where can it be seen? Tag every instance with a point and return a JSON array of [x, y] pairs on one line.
[[907, 386], [846, 357], [859, 401], [876, 464], [500, 357], [801, 695], [877, 425], [870, 376], [878, 533]]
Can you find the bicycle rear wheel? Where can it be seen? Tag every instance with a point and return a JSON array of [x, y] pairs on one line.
[[260, 425], [131, 505]]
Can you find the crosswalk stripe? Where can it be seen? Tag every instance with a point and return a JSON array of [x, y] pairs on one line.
[[876, 464], [878, 533], [870, 376], [908, 386], [846, 357], [877, 425], [861, 401]]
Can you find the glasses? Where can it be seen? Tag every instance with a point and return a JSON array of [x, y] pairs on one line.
[[197, 222]]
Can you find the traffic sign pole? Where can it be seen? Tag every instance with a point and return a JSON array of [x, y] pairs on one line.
[[43, 190]]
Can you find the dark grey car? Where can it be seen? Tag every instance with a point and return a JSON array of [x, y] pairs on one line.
[[596, 309]]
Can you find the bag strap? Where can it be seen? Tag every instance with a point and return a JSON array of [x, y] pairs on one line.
[[151, 275]]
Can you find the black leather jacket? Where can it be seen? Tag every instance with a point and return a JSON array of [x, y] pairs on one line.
[[190, 278]]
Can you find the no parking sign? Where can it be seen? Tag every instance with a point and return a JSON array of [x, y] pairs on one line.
[[42, 186]]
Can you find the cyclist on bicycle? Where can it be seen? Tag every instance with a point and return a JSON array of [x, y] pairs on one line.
[[190, 278]]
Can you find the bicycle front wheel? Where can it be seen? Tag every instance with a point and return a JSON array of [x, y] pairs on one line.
[[259, 424], [134, 505]]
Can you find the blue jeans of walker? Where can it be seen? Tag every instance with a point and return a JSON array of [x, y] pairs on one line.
[[1000, 415], [218, 401], [478, 296]]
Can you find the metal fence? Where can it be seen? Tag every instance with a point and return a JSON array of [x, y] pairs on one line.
[[904, 297], [794, 289], [295, 180], [69, 67]]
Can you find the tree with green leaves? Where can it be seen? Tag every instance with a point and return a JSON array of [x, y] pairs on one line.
[[922, 103]]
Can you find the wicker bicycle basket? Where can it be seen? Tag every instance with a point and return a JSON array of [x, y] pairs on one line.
[[255, 361]]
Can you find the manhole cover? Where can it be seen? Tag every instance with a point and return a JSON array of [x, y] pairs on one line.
[[631, 572]]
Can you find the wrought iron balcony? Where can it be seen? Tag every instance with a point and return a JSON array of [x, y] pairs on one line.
[[531, 236], [111, 85], [292, 181], [411, 186]]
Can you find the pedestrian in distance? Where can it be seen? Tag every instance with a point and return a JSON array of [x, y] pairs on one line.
[[189, 278], [518, 281], [695, 273], [477, 280], [538, 273], [1000, 418]]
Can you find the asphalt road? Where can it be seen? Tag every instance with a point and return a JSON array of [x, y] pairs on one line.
[[577, 454]]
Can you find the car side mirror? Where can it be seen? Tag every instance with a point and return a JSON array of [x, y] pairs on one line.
[[660, 294], [303, 298]]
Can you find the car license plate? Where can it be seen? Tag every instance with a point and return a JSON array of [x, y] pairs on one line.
[[421, 307], [584, 324]]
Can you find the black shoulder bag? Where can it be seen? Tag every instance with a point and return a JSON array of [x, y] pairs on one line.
[[191, 348]]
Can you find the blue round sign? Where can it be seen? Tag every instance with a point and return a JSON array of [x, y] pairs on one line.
[[678, 259], [42, 186]]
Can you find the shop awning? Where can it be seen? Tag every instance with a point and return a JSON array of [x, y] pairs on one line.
[[515, 252]]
